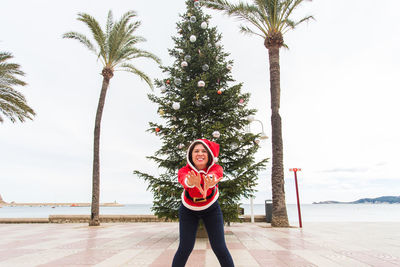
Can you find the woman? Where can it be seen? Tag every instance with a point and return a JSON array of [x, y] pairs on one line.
[[199, 179]]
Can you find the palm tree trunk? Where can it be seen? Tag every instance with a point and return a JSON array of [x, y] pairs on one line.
[[94, 218], [279, 213]]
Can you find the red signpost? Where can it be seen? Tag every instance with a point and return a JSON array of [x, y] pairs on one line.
[[295, 170]]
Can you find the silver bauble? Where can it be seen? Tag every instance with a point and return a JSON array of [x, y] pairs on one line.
[[178, 81], [176, 105], [192, 19], [203, 25], [193, 38], [201, 84], [180, 146], [216, 134], [205, 67], [184, 64]]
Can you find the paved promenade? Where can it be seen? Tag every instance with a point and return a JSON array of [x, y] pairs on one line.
[[154, 244]]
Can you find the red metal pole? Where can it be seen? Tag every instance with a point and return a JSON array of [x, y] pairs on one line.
[[298, 201]]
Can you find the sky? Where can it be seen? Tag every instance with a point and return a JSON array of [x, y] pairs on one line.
[[339, 101]]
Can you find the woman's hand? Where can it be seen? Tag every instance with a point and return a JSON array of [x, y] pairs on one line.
[[195, 179], [210, 181]]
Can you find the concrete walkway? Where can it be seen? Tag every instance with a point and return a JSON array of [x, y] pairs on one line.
[[154, 244]]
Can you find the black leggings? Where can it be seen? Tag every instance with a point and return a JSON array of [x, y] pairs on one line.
[[188, 222]]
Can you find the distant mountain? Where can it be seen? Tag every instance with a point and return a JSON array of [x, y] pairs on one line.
[[378, 200]]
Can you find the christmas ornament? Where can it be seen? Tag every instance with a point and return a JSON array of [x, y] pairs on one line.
[[216, 134], [176, 105], [184, 64], [218, 45], [203, 25], [241, 102], [193, 38], [188, 57], [161, 112], [157, 129], [219, 92], [229, 67], [205, 67], [201, 84], [196, 4], [167, 81], [257, 141], [178, 81], [189, 14], [192, 19], [180, 146], [163, 89]]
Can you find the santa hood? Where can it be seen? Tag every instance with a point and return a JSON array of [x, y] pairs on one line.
[[212, 147]]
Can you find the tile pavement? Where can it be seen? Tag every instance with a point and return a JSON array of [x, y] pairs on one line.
[[154, 245]]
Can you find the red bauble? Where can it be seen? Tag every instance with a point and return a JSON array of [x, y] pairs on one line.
[[168, 82], [219, 92], [157, 129]]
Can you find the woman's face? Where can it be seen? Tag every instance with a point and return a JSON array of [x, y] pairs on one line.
[[200, 156]]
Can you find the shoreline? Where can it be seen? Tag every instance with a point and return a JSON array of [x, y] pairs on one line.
[[112, 204], [106, 219]]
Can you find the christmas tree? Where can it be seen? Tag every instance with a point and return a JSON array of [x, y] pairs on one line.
[[199, 100]]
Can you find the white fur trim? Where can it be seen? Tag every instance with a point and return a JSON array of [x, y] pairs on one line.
[[186, 183], [195, 208]]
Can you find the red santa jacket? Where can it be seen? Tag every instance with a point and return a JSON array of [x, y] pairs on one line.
[[191, 195]]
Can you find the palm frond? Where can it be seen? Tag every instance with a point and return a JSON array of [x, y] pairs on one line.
[[13, 105], [118, 34], [96, 30], [117, 43], [82, 39], [268, 16], [130, 68], [247, 30]]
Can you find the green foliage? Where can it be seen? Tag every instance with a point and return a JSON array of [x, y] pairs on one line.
[[202, 112], [268, 17], [115, 46], [12, 103]]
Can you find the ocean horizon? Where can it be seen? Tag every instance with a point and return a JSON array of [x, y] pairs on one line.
[[309, 212]]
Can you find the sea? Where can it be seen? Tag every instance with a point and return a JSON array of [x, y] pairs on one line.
[[309, 212]]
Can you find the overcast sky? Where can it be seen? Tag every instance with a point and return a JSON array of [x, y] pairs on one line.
[[339, 101]]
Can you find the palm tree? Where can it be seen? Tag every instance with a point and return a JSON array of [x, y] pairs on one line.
[[271, 20], [12, 103], [115, 47]]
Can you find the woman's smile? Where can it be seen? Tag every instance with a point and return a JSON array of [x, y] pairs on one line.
[[200, 156]]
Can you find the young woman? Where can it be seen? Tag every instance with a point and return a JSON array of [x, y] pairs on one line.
[[199, 179]]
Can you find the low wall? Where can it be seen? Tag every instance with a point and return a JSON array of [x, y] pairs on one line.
[[105, 219]]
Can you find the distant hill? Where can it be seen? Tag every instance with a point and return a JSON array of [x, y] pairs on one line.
[[378, 200]]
